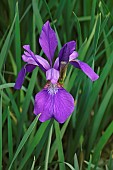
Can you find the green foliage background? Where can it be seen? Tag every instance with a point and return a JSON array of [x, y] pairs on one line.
[[85, 140]]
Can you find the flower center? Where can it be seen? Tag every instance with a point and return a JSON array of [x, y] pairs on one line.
[[52, 89]]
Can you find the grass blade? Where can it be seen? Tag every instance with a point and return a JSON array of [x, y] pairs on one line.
[[6, 44], [102, 142], [54, 146], [27, 100], [33, 164], [1, 132], [23, 141], [39, 21], [59, 146], [99, 116], [17, 40], [93, 13], [96, 88], [76, 166], [78, 29], [10, 140], [69, 165], [44, 127], [48, 149], [83, 49]]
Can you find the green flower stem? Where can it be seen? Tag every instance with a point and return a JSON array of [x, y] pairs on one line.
[[48, 148]]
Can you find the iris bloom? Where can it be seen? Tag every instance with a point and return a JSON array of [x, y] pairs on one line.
[[53, 101]]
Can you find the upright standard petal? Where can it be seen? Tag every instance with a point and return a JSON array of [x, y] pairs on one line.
[[85, 68], [53, 102], [48, 41], [52, 75], [56, 64], [66, 51], [21, 75]]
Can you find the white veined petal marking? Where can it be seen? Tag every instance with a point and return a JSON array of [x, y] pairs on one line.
[[52, 89]]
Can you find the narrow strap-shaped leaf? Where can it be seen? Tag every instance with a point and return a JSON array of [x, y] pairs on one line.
[[39, 21], [45, 127], [48, 149], [27, 101], [6, 45], [98, 117], [76, 166], [59, 146], [23, 141], [17, 40], [108, 132], [1, 132], [10, 140], [96, 88]]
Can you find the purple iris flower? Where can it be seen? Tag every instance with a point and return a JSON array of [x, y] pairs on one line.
[[53, 101]]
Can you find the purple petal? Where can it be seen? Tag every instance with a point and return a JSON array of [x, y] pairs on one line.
[[52, 75], [57, 104], [27, 48], [27, 54], [29, 68], [21, 75], [66, 51], [63, 105], [56, 64], [48, 41], [31, 58], [41, 60], [85, 68], [43, 105], [73, 56]]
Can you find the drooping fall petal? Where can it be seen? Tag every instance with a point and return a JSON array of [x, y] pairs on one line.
[[54, 102], [63, 105], [21, 75], [31, 58], [85, 68]]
